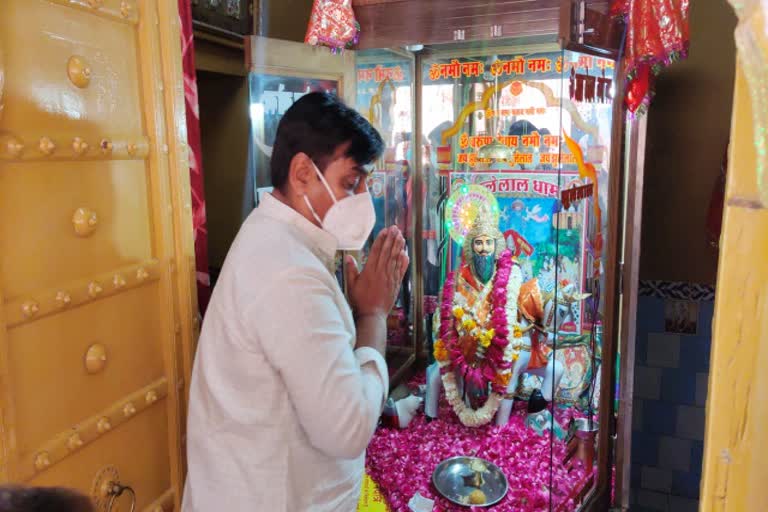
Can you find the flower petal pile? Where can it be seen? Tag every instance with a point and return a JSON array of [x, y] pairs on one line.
[[402, 461]]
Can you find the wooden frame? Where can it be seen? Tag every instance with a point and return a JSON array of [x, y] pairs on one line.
[[634, 173], [217, 22], [581, 25], [391, 23], [587, 27]]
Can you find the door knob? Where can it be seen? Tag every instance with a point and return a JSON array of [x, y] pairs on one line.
[[107, 489], [116, 490]]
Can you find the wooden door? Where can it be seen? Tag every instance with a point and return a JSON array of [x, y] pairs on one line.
[[96, 258]]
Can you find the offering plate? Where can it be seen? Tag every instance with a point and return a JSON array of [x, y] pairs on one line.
[[470, 481]]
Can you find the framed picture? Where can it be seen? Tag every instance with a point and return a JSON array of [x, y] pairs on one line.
[[681, 316]]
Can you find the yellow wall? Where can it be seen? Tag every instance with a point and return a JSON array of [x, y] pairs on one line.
[[736, 441], [224, 128], [688, 128]]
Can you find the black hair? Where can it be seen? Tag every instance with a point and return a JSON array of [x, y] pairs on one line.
[[316, 125], [522, 127], [43, 499]]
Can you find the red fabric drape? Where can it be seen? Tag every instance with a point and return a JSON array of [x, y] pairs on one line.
[[195, 156], [657, 35], [657, 31]]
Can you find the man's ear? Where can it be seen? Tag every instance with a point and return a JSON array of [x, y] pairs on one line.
[[301, 172]]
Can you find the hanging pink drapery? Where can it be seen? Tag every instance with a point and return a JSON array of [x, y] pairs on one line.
[[195, 156]]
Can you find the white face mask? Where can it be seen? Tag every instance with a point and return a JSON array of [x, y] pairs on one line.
[[350, 220]]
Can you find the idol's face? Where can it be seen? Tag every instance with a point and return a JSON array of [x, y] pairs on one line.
[[483, 257], [484, 245]]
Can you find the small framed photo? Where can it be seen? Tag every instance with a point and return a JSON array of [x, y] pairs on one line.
[[681, 316]]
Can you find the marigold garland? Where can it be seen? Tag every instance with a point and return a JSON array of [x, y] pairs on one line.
[[441, 354]]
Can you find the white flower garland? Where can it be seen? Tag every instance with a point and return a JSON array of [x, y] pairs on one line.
[[468, 416], [459, 300], [513, 293], [476, 418]]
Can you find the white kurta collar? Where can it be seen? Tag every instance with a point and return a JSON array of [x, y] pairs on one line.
[[322, 243]]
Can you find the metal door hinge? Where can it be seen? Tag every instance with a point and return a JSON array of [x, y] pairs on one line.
[[621, 278]]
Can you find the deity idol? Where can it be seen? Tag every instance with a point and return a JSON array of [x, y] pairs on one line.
[[492, 328]]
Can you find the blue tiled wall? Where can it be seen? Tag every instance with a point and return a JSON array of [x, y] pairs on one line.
[[670, 392]]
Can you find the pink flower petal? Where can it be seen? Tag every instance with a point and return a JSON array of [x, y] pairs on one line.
[[402, 461]]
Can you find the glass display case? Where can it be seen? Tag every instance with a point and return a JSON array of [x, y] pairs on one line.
[[385, 96], [503, 169], [516, 137], [522, 134], [380, 84]]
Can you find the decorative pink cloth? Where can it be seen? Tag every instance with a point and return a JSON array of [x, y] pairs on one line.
[[195, 157]]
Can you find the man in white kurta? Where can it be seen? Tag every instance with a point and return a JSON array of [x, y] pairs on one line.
[[282, 402]]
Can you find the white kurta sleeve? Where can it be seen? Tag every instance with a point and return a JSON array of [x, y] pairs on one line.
[[337, 392]]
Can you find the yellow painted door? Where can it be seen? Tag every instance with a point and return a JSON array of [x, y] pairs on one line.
[[96, 279]]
